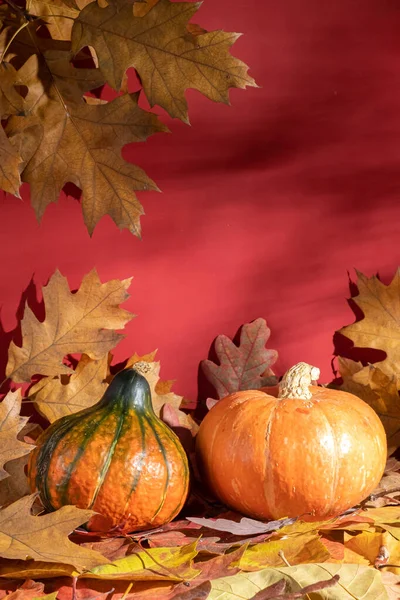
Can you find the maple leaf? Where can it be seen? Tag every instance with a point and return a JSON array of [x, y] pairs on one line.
[[45, 538], [81, 141], [158, 45], [81, 322], [243, 367], [380, 327], [11, 423], [62, 395], [378, 390]]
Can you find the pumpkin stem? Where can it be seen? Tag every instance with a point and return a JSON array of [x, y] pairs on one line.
[[297, 380]]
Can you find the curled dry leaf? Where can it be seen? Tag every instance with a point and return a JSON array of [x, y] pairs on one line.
[[45, 538], [86, 324], [243, 367], [11, 423], [245, 526]]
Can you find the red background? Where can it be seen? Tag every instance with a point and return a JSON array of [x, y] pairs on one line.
[[266, 204]]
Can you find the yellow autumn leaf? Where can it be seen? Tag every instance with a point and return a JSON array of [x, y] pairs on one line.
[[81, 322], [306, 548], [62, 395], [369, 545], [355, 582], [158, 564]]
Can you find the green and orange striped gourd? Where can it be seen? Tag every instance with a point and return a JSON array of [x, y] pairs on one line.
[[116, 457]]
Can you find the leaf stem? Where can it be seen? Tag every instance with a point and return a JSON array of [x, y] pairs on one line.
[[12, 39]]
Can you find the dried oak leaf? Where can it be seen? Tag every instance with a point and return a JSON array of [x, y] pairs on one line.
[[64, 395], [81, 322], [11, 103], [243, 367], [158, 45], [378, 390], [81, 141], [380, 327], [161, 391], [58, 15], [45, 538], [11, 423]]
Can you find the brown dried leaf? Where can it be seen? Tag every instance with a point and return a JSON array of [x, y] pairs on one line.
[[243, 367], [24, 536], [11, 423], [161, 393], [16, 486], [63, 395], [378, 390], [58, 15], [81, 322], [167, 58], [11, 103], [380, 327], [81, 141]]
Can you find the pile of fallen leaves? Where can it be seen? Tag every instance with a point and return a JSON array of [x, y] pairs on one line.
[[209, 551], [54, 52]]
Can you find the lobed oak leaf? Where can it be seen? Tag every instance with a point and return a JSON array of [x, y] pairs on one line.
[[11, 423], [380, 327], [45, 538], [11, 103], [167, 58], [62, 395], [81, 141], [161, 393], [81, 322], [377, 389], [58, 15], [243, 367]]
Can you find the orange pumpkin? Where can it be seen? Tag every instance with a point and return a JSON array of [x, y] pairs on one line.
[[312, 452]]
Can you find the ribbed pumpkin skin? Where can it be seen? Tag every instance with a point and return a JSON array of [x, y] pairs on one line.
[[117, 458], [272, 458]]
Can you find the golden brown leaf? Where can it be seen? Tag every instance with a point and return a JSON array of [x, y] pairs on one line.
[[11, 103], [81, 322], [82, 141], [378, 390], [45, 538], [161, 393], [11, 423], [58, 15], [167, 58], [63, 395], [380, 327]]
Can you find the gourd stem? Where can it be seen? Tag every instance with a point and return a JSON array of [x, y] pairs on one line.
[[297, 380]]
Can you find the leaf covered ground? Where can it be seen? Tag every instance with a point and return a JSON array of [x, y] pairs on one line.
[[63, 363]]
